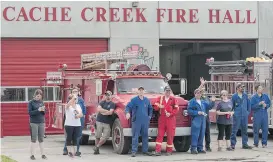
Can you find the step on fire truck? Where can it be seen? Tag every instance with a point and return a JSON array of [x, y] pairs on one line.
[[250, 72], [112, 71]]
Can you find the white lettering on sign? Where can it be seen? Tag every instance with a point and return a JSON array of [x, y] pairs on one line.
[[54, 77]]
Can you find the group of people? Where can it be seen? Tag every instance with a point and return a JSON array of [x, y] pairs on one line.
[[232, 114]]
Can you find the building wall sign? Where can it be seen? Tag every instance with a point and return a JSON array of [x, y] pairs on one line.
[[102, 14]]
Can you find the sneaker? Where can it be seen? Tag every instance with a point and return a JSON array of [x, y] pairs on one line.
[[133, 154], [247, 147], [230, 149], [44, 157], [32, 157], [202, 152], [264, 146], [255, 145], [65, 152], [156, 153], [96, 150], [147, 153], [208, 149], [78, 154], [194, 152], [168, 154]]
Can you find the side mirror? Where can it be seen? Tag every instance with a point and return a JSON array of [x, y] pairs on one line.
[[98, 87], [183, 86]]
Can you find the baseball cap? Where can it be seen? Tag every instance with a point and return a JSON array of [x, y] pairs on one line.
[[108, 93], [167, 88], [141, 88]]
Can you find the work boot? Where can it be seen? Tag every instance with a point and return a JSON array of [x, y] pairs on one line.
[[133, 154], [247, 147], [229, 149], [156, 153], [96, 150], [264, 146], [255, 145], [194, 152], [202, 152], [32, 157], [147, 153], [65, 152]]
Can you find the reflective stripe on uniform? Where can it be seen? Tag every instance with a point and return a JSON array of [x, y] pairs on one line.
[[169, 145], [158, 143]]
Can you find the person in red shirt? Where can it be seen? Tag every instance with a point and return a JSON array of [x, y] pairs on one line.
[[168, 107]]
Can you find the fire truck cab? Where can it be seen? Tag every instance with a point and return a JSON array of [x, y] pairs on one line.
[[251, 72], [112, 71]]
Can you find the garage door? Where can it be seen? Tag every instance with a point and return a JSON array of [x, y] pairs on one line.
[[24, 62]]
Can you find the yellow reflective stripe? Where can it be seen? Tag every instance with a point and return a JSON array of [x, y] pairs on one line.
[[169, 145], [158, 143]]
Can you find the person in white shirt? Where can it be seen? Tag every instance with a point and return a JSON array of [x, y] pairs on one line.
[[72, 124]]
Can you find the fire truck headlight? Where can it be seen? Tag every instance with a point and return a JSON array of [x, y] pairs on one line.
[[185, 112]]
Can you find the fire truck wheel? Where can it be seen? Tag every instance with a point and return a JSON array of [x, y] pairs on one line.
[[182, 143], [84, 139], [120, 143]]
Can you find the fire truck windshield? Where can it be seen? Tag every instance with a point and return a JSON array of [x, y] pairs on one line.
[[151, 85]]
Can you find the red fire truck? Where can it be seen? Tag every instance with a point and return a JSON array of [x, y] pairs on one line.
[[251, 72], [112, 71]]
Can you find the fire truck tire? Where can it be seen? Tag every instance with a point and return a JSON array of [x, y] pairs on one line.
[[120, 143], [182, 143], [84, 139]]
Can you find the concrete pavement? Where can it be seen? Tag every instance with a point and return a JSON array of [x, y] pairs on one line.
[[18, 149]]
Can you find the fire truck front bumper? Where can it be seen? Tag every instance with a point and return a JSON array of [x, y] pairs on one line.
[[179, 131]]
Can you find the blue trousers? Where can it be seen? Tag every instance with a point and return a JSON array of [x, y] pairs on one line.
[[260, 121], [140, 129], [79, 138], [240, 122], [198, 129]]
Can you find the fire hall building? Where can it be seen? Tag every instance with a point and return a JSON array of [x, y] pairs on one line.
[[175, 37]]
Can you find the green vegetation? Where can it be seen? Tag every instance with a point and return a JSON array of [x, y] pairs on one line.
[[6, 159]]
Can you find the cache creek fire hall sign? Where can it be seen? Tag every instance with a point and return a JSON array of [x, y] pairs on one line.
[[100, 14]]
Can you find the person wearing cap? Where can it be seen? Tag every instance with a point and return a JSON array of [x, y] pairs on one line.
[[211, 103], [260, 103], [141, 111], [242, 108], [197, 110], [104, 120], [168, 107]]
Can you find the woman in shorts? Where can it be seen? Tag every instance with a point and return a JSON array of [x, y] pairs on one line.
[[73, 114], [36, 111], [224, 120]]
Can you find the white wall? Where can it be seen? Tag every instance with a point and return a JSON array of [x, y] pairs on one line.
[[265, 41], [77, 27]]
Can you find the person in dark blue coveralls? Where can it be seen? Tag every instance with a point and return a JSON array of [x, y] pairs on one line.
[[197, 110], [260, 102], [242, 108], [141, 110], [76, 91], [211, 102]]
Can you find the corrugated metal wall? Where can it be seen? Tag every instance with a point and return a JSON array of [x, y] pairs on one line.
[[26, 61]]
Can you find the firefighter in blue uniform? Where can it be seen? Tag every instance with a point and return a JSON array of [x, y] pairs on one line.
[[141, 110], [197, 110], [260, 102], [242, 108]]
